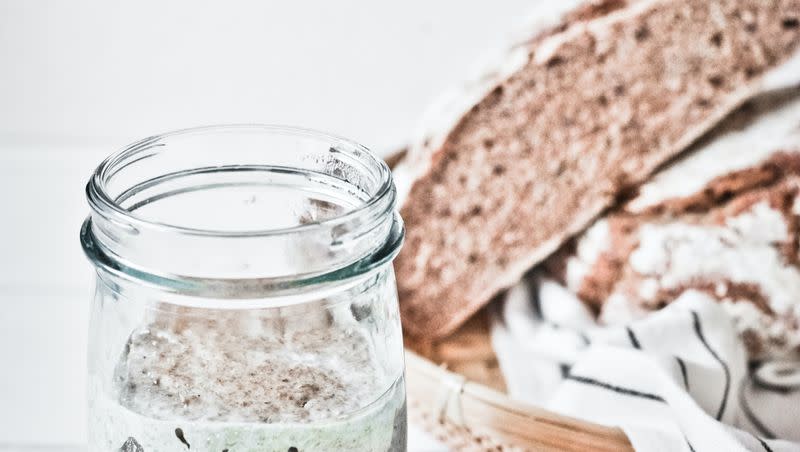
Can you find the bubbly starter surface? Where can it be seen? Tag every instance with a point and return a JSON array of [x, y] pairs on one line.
[[248, 383]]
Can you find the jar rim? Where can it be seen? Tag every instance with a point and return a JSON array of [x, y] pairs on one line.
[[101, 201], [112, 231]]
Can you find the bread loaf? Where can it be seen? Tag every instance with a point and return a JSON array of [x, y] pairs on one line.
[[723, 220], [584, 110]]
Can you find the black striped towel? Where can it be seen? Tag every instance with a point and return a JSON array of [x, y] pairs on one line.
[[677, 380]]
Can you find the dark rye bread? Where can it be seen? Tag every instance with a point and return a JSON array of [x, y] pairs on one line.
[[723, 220], [597, 104]]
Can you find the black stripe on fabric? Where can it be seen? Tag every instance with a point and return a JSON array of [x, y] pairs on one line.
[[764, 444], [682, 365], [689, 444], [633, 339], [699, 330], [532, 285], [751, 416], [536, 302], [617, 389], [764, 386], [564, 369]]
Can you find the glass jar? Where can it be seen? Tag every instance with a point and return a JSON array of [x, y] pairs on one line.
[[245, 298]]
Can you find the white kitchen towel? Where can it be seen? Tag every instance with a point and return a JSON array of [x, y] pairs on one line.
[[677, 380]]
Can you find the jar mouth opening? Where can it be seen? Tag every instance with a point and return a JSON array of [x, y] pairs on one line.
[[110, 205], [242, 210]]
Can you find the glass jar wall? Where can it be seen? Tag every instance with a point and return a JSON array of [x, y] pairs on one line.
[[245, 299]]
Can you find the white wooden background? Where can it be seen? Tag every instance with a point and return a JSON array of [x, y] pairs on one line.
[[80, 79]]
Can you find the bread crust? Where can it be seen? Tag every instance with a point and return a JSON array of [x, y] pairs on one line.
[[734, 237], [596, 106]]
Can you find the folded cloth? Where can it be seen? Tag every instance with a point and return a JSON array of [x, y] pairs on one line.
[[676, 380]]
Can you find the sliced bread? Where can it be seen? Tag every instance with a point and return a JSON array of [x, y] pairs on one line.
[[723, 220], [585, 110]]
